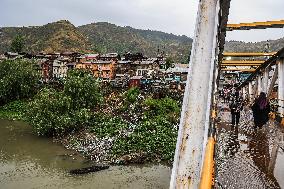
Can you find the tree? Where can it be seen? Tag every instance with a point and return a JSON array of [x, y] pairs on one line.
[[55, 112], [17, 44], [169, 62], [83, 89], [18, 80]]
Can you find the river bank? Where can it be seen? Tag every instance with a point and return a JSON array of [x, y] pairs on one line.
[[27, 160], [110, 140], [127, 127], [102, 122], [99, 150], [85, 142]]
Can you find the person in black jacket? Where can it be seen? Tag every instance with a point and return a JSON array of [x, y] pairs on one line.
[[261, 109], [236, 106]]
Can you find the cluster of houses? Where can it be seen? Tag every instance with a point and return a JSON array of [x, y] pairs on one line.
[[129, 69]]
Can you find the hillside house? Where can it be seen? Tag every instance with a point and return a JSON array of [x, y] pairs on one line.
[[177, 73], [87, 58], [123, 67], [59, 69], [105, 69], [88, 65], [110, 57], [146, 67]]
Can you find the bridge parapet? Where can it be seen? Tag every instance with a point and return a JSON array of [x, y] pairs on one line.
[[268, 78]]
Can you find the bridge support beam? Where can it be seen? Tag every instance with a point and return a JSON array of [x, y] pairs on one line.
[[273, 80], [280, 64], [259, 85], [265, 80], [244, 92], [250, 92], [194, 123], [255, 88]]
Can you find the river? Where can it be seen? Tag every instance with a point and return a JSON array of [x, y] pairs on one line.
[[28, 161]]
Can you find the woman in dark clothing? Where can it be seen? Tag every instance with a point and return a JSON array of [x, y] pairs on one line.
[[261, 109]]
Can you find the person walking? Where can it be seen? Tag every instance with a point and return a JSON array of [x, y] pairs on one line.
[[260, 109], [225, 92], [236, 106]]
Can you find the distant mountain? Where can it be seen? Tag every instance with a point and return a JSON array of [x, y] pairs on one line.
[[104, 37], [239, 46], [99, 37], [58, 36]]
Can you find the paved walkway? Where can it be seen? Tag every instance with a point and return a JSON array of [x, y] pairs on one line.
[[246, 158]]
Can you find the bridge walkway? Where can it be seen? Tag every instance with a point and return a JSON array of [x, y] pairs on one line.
[[248, 158]]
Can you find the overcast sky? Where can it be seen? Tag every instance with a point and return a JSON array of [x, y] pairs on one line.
[[172, 16]]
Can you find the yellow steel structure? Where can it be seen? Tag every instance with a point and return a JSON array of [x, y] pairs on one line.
[[256, 25], [240, 65], [208, 166], [238, 69], [243, 61], [248, 54]]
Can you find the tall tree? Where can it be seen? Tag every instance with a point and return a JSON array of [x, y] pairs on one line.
[[169, 62], [17, 44], [18, 80]]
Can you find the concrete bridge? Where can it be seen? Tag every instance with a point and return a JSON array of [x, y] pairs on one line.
[[209, 151]]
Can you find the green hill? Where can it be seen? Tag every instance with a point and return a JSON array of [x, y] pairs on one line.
[[106, 37], [54, 37], [97, 37], [239, 46]]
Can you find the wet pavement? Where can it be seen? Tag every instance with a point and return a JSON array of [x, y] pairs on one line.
[[246, 158]]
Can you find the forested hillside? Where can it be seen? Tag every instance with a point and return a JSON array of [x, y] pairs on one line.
[[105, 37], [99, 37]]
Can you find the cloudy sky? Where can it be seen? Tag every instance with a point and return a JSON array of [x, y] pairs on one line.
[[172, 16]]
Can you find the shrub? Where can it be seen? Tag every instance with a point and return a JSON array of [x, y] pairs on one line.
[[156, 138], [83, 89], [106, 125], [131, 95], [55, 113], [48, 112], [18, 80], [161, 107], [155, 134], [13, 110]]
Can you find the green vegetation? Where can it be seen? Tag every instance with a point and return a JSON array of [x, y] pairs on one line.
[[100, 37], [14, 110], [108, 126], [17, 44], [106, 37], [155, 135], [169, 62], [135, 123], [54, 37], [83, 89], [18, 80], [57, 112], [131, 95], [240, 46]]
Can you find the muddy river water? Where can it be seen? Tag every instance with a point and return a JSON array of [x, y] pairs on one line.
[[28, 161]]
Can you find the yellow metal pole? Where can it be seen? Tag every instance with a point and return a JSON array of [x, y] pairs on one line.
[[206, 181]]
